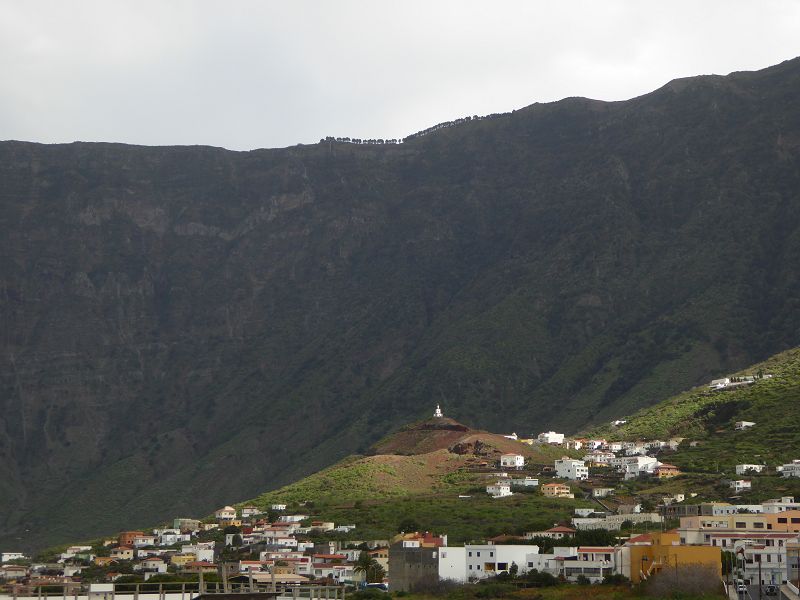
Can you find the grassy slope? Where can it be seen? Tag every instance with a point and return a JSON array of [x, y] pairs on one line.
[[708, 418], [379, 492]]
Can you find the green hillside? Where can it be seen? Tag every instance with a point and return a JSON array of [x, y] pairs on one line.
[[712, 447], [418, 489]]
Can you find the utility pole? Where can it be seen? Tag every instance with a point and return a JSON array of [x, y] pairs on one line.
[[759, 578], [676, 570]]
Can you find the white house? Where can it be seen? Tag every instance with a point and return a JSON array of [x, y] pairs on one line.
[[479, 561], [573, 444], [618, 422], [655, 444], [569, 468], [674, 443], [556, 532], [140, 541], [512, 436], [226, 513], [633, 466], [486, 560], [168, 537], [551, 437], [154, 565], [741, 485], [767, 560], [791, 469], [73, 550], [500, 489], [8, 556], [250, 511], [278, 507], [599, 457], [527, 482], [204, 551], [549, 562], [614, 522], [776, 505], [667, 500], [592, 562], [71, 570], [292, 518], [512, 461], [602, 492], [719, 384], [742, 425], [634, 448], [337, 572], [744, 469]]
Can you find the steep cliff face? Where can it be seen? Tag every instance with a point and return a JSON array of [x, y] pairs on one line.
[[183, 327]]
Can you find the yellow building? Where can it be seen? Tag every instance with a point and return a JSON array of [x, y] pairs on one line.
[[788, 520], [665, 552], [556, 490], [180, 560], [665, 471]]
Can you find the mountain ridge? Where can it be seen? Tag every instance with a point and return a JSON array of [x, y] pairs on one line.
[[171, 314]]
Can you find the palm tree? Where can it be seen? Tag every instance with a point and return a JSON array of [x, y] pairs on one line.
[[372, 569]]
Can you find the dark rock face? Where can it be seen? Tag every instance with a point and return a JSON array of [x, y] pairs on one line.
[[182, 327]]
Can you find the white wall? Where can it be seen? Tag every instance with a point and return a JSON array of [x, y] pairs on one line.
[[452, 563], [481, 554]]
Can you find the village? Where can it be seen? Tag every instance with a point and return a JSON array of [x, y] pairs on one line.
[[288, 545]]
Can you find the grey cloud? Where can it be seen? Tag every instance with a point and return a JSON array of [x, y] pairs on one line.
[[251, 74]]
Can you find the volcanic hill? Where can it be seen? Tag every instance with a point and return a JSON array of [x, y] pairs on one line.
[[444, 434]]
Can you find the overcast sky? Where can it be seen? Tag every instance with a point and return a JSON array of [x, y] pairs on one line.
[[251, 74]]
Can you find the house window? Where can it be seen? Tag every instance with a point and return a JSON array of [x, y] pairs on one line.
[[477, 554], [491, 554], [782, 520], [758, 525], [795, 519], [530, 565], [740, 525], [470, 553], [469, 567]]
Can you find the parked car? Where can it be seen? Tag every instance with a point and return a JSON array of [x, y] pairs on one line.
[[771, 590]]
